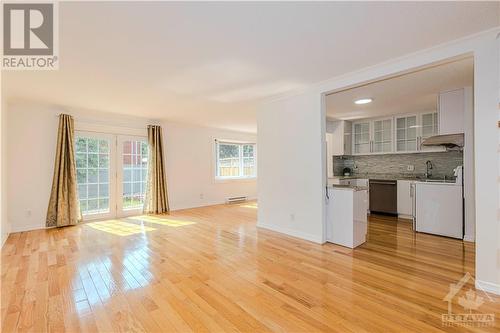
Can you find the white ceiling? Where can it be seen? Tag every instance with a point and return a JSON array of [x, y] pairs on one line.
[[413, 92], [210, 63]]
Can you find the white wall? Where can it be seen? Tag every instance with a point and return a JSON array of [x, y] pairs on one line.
[[31, 141], [4, 224], [291, 174], [274, 207], [190, 166]]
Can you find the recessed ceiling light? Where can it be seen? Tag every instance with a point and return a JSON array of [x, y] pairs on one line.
[[363, 101]]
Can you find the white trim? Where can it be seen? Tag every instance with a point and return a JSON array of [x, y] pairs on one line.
[[294, 233], [4, 239], [469, 238], [488, 287]]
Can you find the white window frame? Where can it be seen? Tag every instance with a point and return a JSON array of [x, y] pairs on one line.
[[219, 178]]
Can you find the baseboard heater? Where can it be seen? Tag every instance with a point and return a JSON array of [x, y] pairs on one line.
[[235, 200]]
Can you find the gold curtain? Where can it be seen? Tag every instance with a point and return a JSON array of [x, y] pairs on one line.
[[156, 193], [63, 207]]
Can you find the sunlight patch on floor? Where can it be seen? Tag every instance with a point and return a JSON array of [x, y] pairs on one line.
[[162, 221], [250, 205], [119, 228]]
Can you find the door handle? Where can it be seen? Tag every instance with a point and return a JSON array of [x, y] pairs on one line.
[[383, 183]]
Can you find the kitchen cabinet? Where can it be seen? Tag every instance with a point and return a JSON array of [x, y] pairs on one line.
[[404, 198], [382, 136], [358, 182], [451, 111], [406, 133], [341, 137], [346, 216], [412, 129], [373, 136], [361, 137]]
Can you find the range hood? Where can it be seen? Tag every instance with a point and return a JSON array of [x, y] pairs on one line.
[[450, 141]]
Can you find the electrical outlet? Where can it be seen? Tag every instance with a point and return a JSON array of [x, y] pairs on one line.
[[28, 213], [292, 217], [201, 196], [410, 167]]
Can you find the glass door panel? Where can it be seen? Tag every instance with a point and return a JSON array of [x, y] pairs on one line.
[[382, 136], [132, 174], [406, 133], [362, 138], [93, 153]]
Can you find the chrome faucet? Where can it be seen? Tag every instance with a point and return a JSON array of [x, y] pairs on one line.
[[428, 168]]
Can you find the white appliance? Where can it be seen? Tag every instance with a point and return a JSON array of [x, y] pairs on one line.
[[346, 216], [439, 207]]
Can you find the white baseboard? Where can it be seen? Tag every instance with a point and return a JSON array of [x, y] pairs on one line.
[[490, 287], [469, 238], [204, 204], [4, 238], [294, 233], [22, 228], [404, 216]]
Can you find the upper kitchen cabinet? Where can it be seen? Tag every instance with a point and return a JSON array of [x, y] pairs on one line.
[[406, 133], [362, 143], [451, 111], [340, 137], [412, 129], [372, 136], [382, 136]]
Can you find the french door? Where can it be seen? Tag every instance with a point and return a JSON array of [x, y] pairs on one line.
[[111, 174]]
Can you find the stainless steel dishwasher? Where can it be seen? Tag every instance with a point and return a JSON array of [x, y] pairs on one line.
[[383, 196]]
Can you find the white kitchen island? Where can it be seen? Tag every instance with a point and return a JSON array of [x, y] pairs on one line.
[[346, 215]]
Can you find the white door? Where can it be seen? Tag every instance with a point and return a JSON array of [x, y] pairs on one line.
[[132, 167], [95, 170], [111, 174]]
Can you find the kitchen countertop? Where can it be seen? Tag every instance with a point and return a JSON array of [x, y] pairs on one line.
[[383, 176], [348, 187]]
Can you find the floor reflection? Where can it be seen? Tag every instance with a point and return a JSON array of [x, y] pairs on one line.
[[161, 220], [119, 228], [250, 205]]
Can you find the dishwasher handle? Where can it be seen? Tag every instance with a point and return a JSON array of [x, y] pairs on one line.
[[383, 182]]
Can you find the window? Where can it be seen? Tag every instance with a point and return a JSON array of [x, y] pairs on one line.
[[135, 168], [93, 174], [235, 160]]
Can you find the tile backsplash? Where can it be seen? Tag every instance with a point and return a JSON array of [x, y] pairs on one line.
[[397, 164]]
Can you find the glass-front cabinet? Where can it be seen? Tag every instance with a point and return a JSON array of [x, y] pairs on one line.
[[361, 137], [382, 136], [397, 134], [406, 133]]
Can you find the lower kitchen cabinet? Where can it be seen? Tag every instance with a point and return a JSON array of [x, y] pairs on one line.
[[404, 199]]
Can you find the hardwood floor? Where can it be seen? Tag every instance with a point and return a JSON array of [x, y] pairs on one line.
[[211, 270]]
